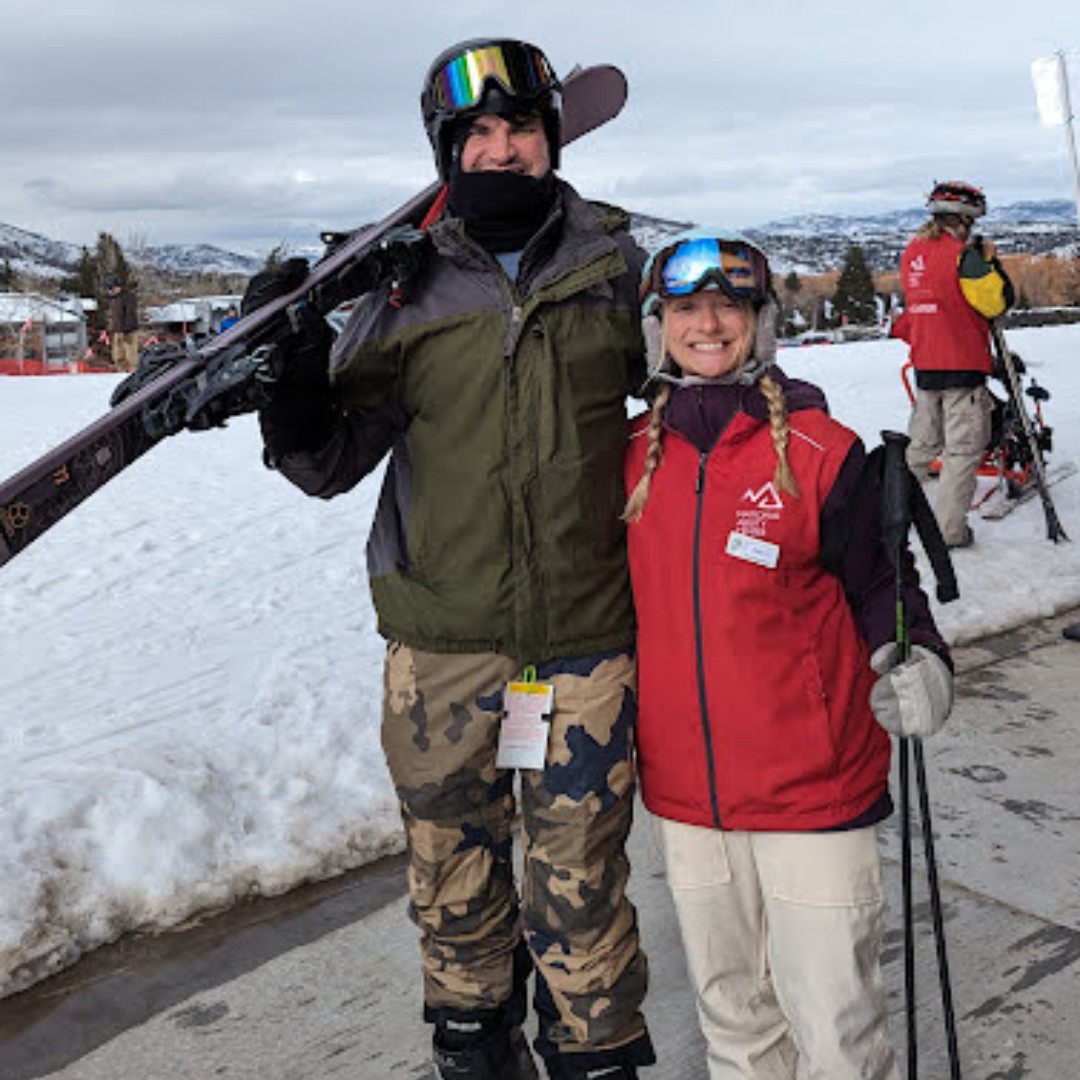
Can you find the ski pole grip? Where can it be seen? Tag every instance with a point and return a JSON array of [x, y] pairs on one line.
[[896, 480], [896, 440]]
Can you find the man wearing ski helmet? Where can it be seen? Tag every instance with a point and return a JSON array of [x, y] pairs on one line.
[[498, 571], [953, 283]]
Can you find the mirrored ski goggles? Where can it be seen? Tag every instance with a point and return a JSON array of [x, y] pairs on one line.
[[738, 269], [522, 71]]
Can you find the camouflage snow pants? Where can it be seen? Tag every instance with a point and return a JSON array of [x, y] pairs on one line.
[[441, 718]]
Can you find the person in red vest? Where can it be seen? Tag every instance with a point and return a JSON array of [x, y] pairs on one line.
[[945, 323], [768, 678]]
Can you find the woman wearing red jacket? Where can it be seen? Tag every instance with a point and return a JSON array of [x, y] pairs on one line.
[[946, 325], [767, 676]]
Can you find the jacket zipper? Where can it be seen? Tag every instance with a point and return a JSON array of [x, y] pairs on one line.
[[699, 643]]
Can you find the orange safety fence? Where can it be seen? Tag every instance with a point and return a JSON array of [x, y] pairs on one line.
[[10, 365]]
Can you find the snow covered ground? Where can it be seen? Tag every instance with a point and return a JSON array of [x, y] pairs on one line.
[[190, 677]]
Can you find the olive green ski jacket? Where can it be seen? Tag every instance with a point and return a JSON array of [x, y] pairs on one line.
[[503, 407]]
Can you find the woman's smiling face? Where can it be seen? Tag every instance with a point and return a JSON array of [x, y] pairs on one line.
[[707, 333]]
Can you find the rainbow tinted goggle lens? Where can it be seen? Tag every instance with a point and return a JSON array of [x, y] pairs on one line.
[[522, 71], [738, 269]]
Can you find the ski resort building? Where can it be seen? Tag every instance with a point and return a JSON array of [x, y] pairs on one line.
[[197, 317], [42, 336]]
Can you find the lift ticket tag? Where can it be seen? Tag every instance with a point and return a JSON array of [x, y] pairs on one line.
[[523, 735]]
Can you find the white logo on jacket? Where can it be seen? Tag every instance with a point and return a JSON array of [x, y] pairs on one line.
[[765, 498], [765, 506]]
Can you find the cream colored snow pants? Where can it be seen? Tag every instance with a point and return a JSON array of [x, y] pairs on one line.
[[782, 933], [955, 425]]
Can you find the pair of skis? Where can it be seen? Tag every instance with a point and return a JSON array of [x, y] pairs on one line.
[[1042, 479], [1008, 498], [44, 492]]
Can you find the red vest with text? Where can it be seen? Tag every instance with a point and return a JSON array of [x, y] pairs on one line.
[[754, 680], [944, 331]]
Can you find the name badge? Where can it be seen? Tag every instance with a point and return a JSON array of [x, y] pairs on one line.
[[752, 550], [523, 734]]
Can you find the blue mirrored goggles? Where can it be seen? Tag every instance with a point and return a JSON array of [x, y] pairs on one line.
[[738, 268], [521, 70]]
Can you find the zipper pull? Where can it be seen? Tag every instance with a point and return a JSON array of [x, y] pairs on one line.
[[702, 458], [513, 331]]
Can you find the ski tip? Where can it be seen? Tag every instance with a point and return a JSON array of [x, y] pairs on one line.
[[592, 96]]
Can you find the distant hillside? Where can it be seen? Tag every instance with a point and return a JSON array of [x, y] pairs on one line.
[[815, 243], [33, 255], [807, 244]]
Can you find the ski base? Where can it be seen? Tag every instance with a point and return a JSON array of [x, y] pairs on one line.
[[1005, 505]]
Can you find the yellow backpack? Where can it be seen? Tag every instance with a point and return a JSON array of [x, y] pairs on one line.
[[984, 285]]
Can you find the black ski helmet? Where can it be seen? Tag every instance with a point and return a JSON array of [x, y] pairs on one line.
[[497, 75], [956, 197]]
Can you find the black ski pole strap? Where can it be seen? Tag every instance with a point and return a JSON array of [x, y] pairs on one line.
[[926, 525]]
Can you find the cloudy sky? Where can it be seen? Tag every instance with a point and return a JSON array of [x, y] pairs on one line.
[[249, 124]]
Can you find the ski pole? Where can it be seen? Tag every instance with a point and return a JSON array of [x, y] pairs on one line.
[[900, 505], [896, 522], [935, 911]]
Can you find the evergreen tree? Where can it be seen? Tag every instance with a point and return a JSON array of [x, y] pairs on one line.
[[855, 299], [112, 262], [8, 277], [83, 281]]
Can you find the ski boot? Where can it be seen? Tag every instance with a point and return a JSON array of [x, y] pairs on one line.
[[501, 1054]]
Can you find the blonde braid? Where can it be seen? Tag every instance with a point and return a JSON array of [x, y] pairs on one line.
[[635, 505], [784, 478]]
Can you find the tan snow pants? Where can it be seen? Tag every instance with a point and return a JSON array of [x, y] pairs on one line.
[[955, 426], [783, 938]]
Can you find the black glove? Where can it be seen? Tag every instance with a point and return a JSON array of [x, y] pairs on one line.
[[299, 414]]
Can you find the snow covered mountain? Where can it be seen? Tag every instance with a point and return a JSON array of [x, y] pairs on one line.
[[817, 242], [810, 243], [39, 256]]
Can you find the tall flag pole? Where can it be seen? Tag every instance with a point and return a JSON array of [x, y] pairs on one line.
[[1051, 79]]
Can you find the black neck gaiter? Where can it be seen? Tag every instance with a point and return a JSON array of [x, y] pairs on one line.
[[501, 211]]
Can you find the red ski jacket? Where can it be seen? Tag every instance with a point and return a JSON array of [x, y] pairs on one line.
[[944, 331], [754, 680]]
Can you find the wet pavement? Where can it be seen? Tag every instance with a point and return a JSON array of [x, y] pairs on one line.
[[323, 983]]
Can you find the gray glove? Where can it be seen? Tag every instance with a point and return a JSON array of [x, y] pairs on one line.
[[912, 698]]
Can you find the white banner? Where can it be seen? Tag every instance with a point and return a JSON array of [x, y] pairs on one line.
[[1049, 91]]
